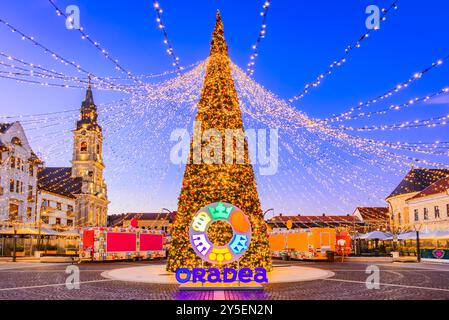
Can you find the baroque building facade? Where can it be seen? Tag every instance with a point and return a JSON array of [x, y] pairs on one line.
[[18, 174], [74, 196]]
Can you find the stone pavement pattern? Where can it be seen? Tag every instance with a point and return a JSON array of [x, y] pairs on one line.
[[404, 281]]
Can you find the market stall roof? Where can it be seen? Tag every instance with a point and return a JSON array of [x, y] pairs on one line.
[[7, 231], [20, 231], [376, 235], [407, 235], [49, 232], [69, 233], [439, 235]]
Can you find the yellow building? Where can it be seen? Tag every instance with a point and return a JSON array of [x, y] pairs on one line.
[[420, 201]]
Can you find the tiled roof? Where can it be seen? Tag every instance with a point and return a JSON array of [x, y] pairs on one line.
[[310, 221], [419, 179], [5, 126], [440, 186], [151, 216], [59, 180], [374, 213]]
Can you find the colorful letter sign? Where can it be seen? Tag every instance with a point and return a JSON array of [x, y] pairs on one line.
[[210, 252]]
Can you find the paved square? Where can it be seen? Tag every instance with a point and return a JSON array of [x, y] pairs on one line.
[[35, 281]]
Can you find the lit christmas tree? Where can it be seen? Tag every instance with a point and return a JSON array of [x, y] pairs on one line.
[[206, 183]]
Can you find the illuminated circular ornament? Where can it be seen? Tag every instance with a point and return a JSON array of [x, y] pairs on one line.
[[206, 249]]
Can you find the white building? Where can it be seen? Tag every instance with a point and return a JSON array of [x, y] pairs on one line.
[[57, 194], [18, 175], [429, 209]]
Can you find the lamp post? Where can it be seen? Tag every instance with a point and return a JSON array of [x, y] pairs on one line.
[[271, 209], [14, 244], [170, 214], [417, 228]]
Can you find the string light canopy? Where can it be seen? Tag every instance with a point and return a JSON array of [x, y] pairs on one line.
[[315, 157]]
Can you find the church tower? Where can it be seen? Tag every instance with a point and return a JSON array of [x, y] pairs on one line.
[[88, 166]]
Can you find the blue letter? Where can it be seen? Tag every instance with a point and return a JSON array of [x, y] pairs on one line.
[[181, 271], [226, 271], [261, 275], [245, 275]]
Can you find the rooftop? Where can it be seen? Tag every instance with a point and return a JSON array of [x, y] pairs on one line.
[[59, 180], [417, 180]]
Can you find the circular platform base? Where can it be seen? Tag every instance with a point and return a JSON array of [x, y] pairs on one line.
[[156, 274]]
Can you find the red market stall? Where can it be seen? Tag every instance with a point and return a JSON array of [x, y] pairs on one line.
[[109, 244]]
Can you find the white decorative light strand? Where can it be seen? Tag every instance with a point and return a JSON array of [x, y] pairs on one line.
[[161, 25], [262, 32], [343, 59]]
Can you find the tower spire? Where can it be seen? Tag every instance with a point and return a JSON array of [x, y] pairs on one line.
[[89, 112], [89, 100]]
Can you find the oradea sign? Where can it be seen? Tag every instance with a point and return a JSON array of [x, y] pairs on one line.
[[213, 275], [220, 255]]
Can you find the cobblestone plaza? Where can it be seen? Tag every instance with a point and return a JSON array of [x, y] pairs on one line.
[[35, 281]]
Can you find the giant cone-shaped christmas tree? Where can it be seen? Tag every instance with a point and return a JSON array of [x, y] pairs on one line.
[[206, 183]]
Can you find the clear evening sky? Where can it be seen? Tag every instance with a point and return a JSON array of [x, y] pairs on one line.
[[303, 38]]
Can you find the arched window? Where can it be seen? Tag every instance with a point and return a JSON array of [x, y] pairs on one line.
[[83, 146], [16, 141], [98, 149]]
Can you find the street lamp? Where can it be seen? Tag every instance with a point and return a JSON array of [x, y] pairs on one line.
[[170, 214], [417, 228], [271, 209]]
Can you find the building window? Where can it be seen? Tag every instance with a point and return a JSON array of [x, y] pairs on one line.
[[30, 193], [13, 162], [447, 209], [426, 214], [16, 141], [83, 146], [69, 209], [58, 205], [399, 217], [437, 212], [13, 211], [416, 215], [11, 185], [29, 213], [31, 170], [98, 149], [18, 162]]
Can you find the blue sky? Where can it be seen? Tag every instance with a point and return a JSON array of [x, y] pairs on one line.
[[303, 38]]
